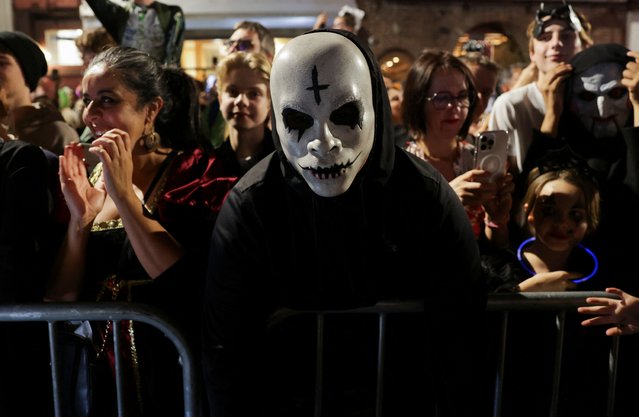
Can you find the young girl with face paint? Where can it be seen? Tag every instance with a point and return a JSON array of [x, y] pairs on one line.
[[561, 206]]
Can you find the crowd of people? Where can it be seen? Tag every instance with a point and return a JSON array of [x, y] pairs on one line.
[[308, 180]]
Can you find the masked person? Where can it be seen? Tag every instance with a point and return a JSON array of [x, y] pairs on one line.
[[335, 219]]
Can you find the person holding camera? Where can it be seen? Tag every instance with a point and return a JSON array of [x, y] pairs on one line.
[[440, 98]]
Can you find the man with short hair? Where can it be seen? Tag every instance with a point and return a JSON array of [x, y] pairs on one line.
[[555, 36], [251, 36]]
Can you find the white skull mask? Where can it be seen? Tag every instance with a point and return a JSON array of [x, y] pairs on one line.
[[323, 104], [599, 99]]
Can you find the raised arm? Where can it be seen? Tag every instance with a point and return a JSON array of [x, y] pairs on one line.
[[84, 202], [551, 86], [156, 249]]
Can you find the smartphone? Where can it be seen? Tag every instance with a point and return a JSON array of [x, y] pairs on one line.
[[491, 152]]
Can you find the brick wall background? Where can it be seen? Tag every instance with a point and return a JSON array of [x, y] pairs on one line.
[[414, 25]]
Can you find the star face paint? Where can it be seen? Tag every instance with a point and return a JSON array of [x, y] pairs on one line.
[[323, 104], [600, 101]]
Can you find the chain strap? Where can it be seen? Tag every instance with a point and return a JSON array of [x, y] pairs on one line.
[[114, 285]]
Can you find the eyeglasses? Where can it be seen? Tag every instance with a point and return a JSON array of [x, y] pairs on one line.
[[442, 101], [239, 44], [565, 13]]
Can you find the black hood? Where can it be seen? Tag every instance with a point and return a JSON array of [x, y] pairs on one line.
[[379, 166], [593, 55], [601, 153], [596, 54]]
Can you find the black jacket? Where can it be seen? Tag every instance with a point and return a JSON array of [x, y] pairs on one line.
[[278, 244], [24, 219]]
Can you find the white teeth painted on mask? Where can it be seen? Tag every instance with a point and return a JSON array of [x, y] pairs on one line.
[[332, 172], [327, 175]]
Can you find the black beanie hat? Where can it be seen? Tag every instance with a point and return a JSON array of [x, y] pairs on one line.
[[28, 54], [598, 53]]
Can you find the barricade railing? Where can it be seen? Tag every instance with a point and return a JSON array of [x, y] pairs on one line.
[[561, 302], [53, 313]]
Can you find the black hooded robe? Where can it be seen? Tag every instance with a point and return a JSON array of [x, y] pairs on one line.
[[277, 244]]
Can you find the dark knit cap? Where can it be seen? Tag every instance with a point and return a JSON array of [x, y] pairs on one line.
[[599, 53], [28, 54]]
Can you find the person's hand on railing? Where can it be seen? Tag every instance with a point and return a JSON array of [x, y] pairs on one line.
[[622, 314], [550, 282]]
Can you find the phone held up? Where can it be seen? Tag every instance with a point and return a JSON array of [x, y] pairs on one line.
[[491, 152]]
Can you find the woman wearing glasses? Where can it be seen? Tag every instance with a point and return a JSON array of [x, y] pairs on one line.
[[439, 102]]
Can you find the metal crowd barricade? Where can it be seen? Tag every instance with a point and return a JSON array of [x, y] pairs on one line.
[[53, 313], [548, 301], [504, 303]]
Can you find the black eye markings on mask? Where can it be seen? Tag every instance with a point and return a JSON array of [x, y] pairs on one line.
[[296, 120], [587, 95], [350, 114], [617, 92], [316, 87]]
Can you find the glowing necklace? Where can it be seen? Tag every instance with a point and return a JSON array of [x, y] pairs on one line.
[[576, 281]]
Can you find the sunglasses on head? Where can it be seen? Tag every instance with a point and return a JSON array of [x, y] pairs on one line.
[[240, 44], [564, 13]]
